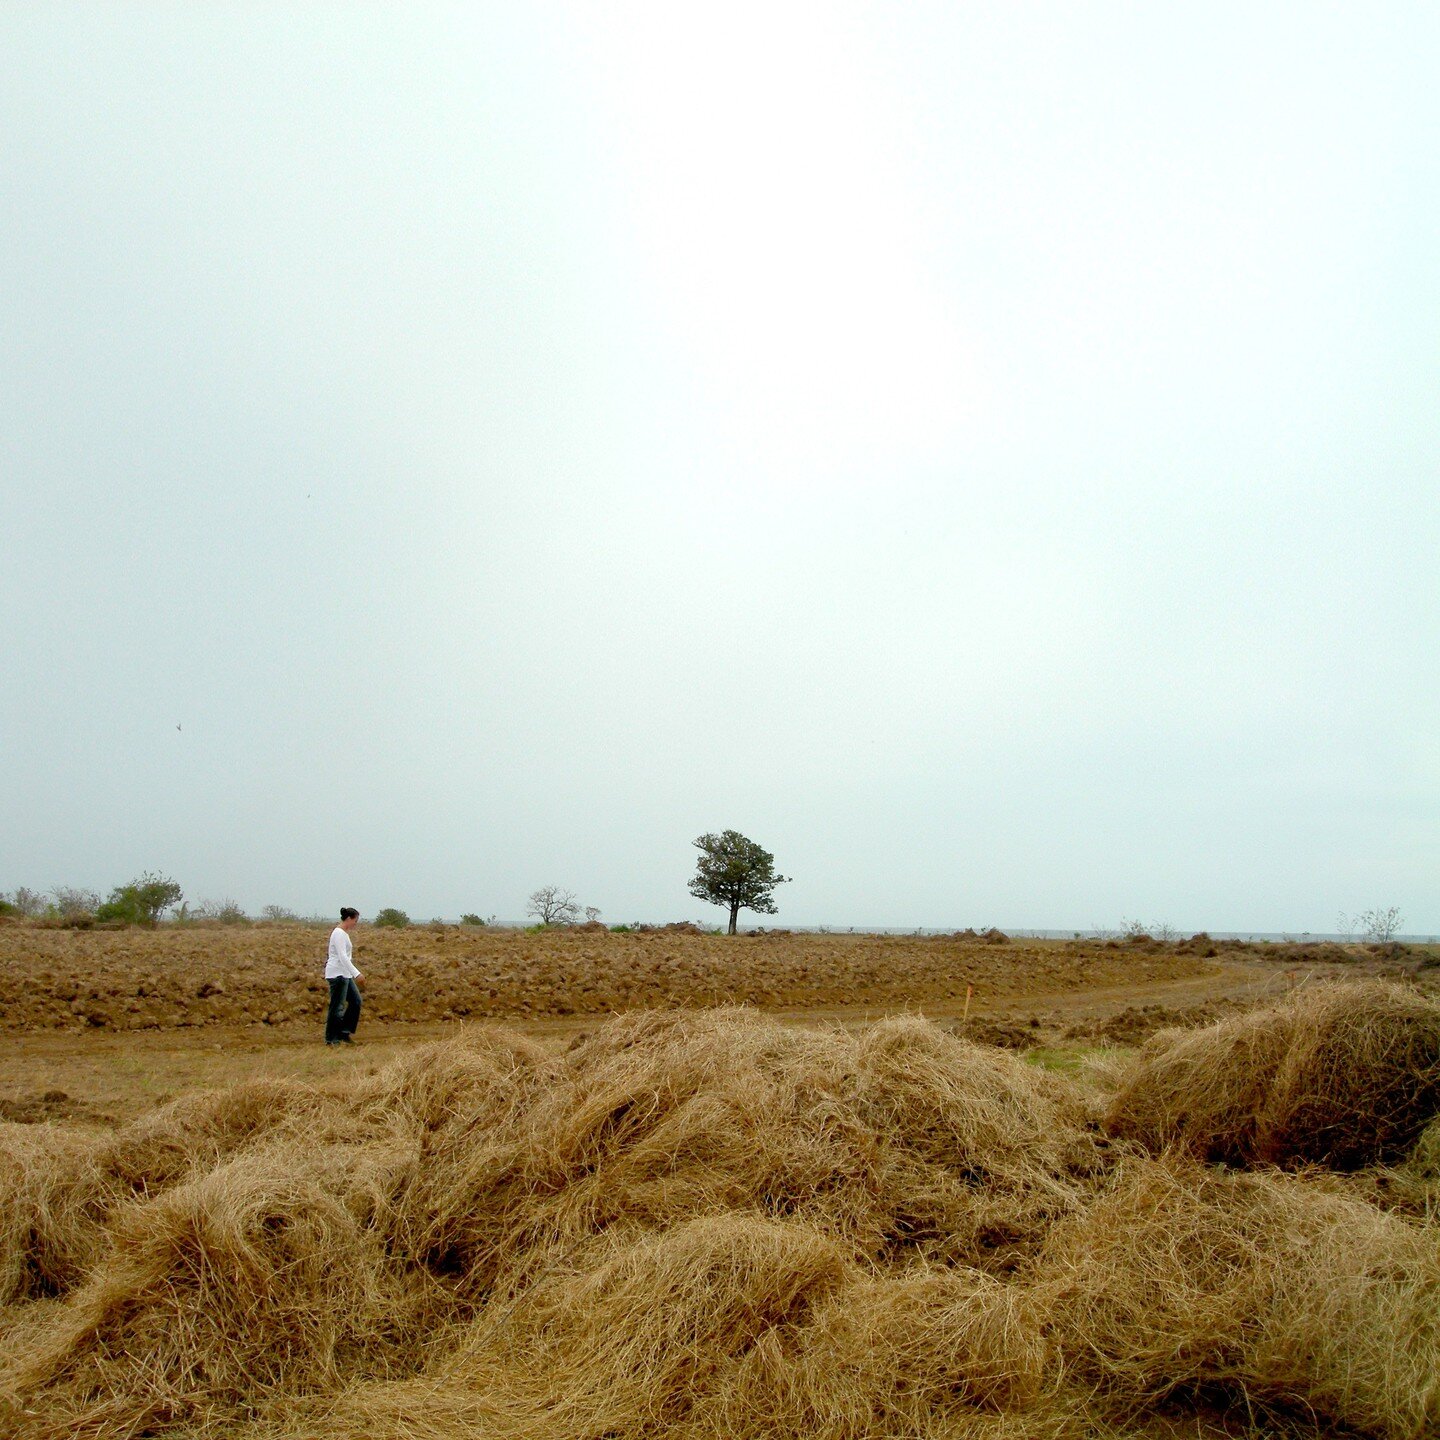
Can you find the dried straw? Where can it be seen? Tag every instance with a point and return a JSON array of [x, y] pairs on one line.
[[1342, 1075], [255, 1278], [698, 1226], [1265, 1285]]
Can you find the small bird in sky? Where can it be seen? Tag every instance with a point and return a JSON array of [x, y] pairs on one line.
[[177, 727]]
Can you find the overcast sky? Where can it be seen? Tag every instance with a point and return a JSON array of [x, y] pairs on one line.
[[987, 454]]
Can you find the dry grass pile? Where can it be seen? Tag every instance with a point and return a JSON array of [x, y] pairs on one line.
[[54, 1205], [906, 1354], [643, 1327], [1183, 1280], [697, 1226], [267, 1275], [61, 1192], [1341, 1075], [984, 1151], [730, 1325], [904, 1138], [195, 1133], [479, 1078]]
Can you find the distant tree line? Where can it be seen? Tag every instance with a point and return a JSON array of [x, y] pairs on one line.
[[731, 871]]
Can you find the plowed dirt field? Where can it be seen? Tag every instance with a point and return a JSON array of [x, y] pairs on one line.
[[101, 1025], [187, 977]]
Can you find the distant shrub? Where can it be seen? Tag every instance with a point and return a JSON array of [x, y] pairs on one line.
[[76, 920], [474, 920], [70, 900], [277, 912], [390, 916], [142, 901], [621, 929], [1381, 926], [8, 907], [24, 902], [227, 912]]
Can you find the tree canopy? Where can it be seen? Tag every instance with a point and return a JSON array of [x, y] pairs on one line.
[[142, 901], [737, 872]]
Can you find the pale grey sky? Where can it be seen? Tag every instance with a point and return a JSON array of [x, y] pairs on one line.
[[987, 454]]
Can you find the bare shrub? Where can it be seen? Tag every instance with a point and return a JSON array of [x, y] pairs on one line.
[[1380, 926], [27, 903], [226, 912], [68, 902]]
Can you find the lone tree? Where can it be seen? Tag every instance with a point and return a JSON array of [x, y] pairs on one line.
[[551, 905], [736, 872]]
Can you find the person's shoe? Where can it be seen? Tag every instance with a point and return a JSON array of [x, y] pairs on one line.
[[332, 1042], [347, 1039]]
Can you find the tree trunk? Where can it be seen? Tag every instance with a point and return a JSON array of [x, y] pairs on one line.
[[734, 914]]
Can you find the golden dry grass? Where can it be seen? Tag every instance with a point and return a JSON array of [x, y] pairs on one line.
[[1342, 1075], [1183, 1278], [697, 1226]]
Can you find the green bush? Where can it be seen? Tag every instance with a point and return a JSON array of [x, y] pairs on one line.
[[142, 901], [395, 919], [474, 920]]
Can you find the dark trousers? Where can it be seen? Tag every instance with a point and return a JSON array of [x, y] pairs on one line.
[[344, 1013]]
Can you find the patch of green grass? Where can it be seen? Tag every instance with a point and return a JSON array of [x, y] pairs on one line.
[[1068, 1059]]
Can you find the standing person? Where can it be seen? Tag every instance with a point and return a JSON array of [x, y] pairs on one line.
[[344, 1013]]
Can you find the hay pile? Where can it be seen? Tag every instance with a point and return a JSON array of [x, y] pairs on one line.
[[1183, 1279], [62, 1191], [252, 1280], [905, 1138], [690, 1225], [1342, 1075], [724, 1326], [52, 1210]]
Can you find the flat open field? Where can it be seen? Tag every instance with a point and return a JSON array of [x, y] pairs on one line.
[[101, 1025], [181, 977]]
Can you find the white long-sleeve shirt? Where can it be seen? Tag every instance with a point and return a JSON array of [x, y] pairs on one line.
[[339, 962]]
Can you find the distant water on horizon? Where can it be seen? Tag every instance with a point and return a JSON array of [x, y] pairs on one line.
[[1026, 932]]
